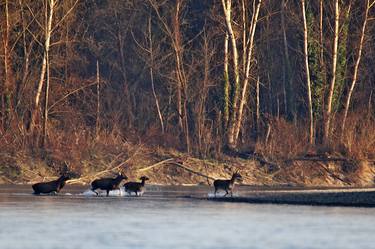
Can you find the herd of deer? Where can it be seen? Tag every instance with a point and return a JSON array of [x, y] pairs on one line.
[[109, 184]]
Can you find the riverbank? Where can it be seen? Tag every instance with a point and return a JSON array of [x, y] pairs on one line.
[[171, 167]]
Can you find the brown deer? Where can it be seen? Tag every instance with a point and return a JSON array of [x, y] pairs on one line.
[[108, 184], [52, 186], [136, 187], [227, 185]]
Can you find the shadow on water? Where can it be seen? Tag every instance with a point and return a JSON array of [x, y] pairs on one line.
[[164, 218]]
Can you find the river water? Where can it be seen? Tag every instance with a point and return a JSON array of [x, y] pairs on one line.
[[164, 218]]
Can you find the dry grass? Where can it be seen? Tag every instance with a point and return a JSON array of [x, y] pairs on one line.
[[286, 140], [21, 160]]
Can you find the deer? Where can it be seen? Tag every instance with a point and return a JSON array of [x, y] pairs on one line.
[[108, 184], [227, 185], [136, 187], [52, 186]]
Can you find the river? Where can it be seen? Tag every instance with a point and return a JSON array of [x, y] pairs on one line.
[[164, 218]]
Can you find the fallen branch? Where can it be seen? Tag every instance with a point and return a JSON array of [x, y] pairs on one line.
[[192, 171], [156, 164], [172, 161], [333, 175], [91, 177]]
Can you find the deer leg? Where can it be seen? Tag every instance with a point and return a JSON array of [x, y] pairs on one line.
[[107, 193], [215, 191], [226, 193], [93, 190]]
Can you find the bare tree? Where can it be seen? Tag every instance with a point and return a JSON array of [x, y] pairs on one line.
[[238, 101], [8, 81], [173, 31], [328, 108], [308, 82], [48, 28], [227, 7], [49, 12], [151, 53], [250, 42], [357, 62]]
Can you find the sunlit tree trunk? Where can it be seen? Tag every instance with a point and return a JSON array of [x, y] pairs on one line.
[[49, 12], [328, 108], [308, 82], [226, 81], [244, 94], [356, 67], [227, 8]]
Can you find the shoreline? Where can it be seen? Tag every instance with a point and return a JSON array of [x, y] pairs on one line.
[[313, 197], [323, 196]]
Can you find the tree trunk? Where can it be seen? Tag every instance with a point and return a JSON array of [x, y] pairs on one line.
[[308, 83], [50, 4], [257, 112], [26, 57], [289, 94], [46, 96], [328, 111], [97, 123], [181, 77], [8, 82], [152, 75], [227, 7], [253, 26], [226, 82], [356, 67]]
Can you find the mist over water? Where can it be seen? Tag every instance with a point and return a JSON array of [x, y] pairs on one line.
[[80, 220]]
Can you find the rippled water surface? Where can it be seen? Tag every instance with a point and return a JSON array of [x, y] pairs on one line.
[[164, 219]]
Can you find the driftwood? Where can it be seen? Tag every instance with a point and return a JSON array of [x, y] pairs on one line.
[[192, 171], [172, 161], [108, 169], [156, 164], [332, 174]]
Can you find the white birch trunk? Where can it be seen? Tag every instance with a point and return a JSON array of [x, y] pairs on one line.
[[48, 32], [356, 67], [247, 72], [328, 112], [308, 82], [227, 7]]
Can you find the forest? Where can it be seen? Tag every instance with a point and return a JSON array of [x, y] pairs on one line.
[[272, 80]]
